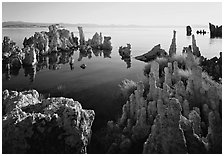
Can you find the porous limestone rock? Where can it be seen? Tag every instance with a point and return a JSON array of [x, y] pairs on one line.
[[74, 40], [186, 112], [53, 125], [172, 50], [188, 29], [195, 144], [214, 135], [30, 56], [165, 128], [195, 49], [41, 42], [54, 38], [152, 54], [125, 52], [107, 43], [215, 31], [96, 41], [12, 55], [81, 36]]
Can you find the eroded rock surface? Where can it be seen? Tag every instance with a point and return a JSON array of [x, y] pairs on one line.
[[107, 43], [176, 110], [189, 30], [215, 31], [35, 125], [152, 54]]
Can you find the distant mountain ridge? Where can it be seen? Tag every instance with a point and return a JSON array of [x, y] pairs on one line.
[[21, 24]]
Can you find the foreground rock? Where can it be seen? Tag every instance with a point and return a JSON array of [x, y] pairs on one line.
[[215, 31], [176, 109], [152, 54], [34, 125]]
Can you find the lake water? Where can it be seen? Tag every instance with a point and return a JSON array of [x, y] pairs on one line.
[[96, 87]]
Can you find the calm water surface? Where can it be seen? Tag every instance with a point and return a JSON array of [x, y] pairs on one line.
[[96, 87]]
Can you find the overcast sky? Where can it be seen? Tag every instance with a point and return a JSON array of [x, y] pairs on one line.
[[150, 13]]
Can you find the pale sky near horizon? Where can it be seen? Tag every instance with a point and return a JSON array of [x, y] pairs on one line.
[[144, 13]]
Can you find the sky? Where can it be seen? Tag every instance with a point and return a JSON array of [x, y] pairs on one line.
[[125, 13]]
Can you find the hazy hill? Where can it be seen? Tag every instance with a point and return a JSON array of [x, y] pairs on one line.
[[21, 24]]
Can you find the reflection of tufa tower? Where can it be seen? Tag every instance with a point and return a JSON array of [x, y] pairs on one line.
[[31, 71]]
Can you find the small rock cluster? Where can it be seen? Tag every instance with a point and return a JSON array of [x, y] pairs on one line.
[[32, 124], [56, 40]]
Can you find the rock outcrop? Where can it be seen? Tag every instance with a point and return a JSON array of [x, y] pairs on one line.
[[173, 49], [30, 55], [215, 31], [213, 67], [107, 43], [35, 125], [195, 49], [12, 55], [81, 36], [170, 112], [125, 52], [189, 30], [152, 54], [55, 40], [96, 42], [41, 42]]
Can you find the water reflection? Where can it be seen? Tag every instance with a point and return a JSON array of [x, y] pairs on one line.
[[106, 53], [54, 61], [97, 52], [127, 61], [83, 53], [30, 71], [8, 71]]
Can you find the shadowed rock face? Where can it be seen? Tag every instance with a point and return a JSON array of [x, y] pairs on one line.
[[54, 40], [34, 125], [30, 56], [215, 31], [195, 49], [107, 43], [172, 50], [11, 54], [213, 67], [152, 54], [125, 52], [81, 36], [96, 42], [189, 30]]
